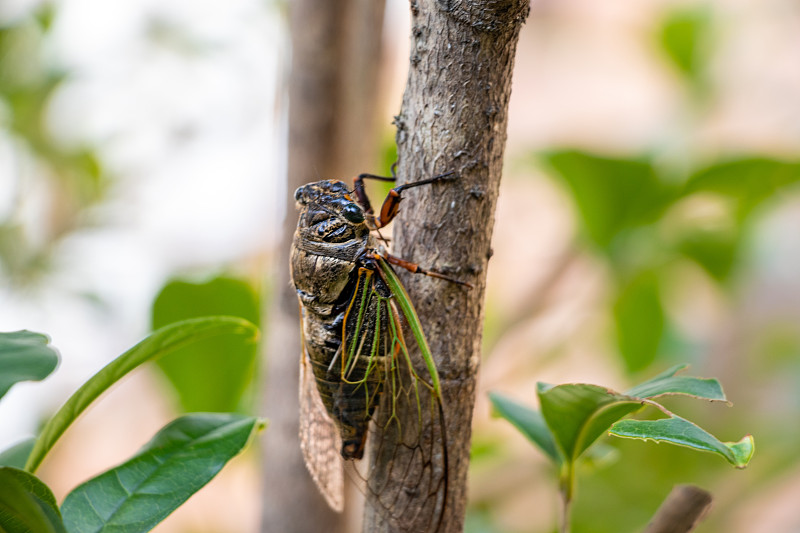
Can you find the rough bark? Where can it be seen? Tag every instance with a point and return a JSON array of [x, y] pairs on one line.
[[453, 118], [683, 509], [332, 100]]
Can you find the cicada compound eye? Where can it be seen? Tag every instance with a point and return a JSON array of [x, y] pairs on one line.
[[353, 213], [298, 194]]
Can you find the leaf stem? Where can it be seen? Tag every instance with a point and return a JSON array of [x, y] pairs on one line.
[[567, 489]]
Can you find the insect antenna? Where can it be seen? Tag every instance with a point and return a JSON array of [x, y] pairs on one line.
[[385, 240]]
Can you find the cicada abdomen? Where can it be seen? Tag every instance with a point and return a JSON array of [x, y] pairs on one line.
[[358, 374]]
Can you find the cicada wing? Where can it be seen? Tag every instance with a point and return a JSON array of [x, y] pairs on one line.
[[319, 440], [407, 478]]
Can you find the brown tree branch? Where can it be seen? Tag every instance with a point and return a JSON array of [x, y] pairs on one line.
[[453, 118], [681, 511], [332, 99]]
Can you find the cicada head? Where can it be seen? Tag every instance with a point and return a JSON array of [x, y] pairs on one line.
[[328, 213]]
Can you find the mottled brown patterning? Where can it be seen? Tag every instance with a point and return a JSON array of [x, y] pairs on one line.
[[355, 358]]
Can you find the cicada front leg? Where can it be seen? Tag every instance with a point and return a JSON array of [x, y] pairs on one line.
[[391, 204]]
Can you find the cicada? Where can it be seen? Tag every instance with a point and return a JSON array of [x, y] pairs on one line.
[[357, 371]]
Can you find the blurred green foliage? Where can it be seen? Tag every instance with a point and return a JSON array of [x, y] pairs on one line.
[[613, 196], [639, 319], [73, 175], [655, 221], [219, 374], [645, 225], [685, 38]]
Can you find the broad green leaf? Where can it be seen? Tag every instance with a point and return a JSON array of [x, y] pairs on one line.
[[17, 454], [670, 383], [159, 343], [182, 457], [26, 504], [611, 195], [639, 320], [747, 181], [577, 414], [682, 38], [529, 422], [216, 375], [676, 430], [24, 356], [715, 251]]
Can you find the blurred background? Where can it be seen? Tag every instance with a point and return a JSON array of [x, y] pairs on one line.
[[649, 215]]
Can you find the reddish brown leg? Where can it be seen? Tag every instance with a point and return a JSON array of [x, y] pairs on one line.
[[361, 193], [416, 269], [392, 202]]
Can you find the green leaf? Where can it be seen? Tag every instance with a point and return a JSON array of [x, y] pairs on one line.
[[747, 181], [24, 356], [214, 376], [156, 345], [17, 454], [676, 430], [682, 38], [529, 422], [669, 383], [577, 414], [182, 457], [611, 195], [639, 320], [714, 250], [26, 504]]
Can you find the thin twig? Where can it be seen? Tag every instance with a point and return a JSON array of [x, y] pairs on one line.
[[683, 509]]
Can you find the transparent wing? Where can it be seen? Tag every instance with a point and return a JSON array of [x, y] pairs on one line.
[[319, 440], [406, 480]]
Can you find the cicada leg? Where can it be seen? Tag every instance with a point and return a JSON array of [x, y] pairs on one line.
[[392, 202], [414, 268]]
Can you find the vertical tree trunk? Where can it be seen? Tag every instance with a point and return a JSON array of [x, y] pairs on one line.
[[453, 118], [332, 123]]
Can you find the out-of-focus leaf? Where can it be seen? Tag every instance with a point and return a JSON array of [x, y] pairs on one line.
[[26, 504], [29, 80], [24, 356], [479, 520], [748, 181], [182, 457], [215, 375], [44, 15], [715, 251], [600, 455], [639, 320], [611, 194], [669, 383], [17, 454], [577, 414], [159, 343], [529, 422], [683, 36], [677, 430]]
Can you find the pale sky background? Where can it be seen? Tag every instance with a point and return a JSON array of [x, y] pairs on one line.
[[181, 99]]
